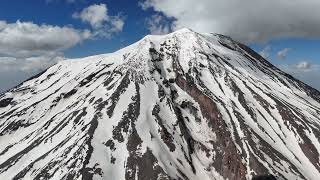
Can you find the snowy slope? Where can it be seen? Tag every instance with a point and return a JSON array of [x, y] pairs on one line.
[[179, 106]]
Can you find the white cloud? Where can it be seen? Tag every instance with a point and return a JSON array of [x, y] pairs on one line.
[[157, 25], [283, 53], [95, 15], [303, 66], [117, 23], [103, 24], [27, 48], [13, 70], [27, 65], [25, 39], [265, 52], [247, 21], [305, 71]]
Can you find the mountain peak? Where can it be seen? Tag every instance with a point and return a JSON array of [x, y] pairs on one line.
[[177, 106], [184, 30]]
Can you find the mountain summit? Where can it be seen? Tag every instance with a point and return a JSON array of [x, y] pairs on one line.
[[178, 106]]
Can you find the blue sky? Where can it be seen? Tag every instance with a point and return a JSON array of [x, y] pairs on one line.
[[35, 35]]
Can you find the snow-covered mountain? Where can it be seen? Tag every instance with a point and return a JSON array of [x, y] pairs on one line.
[[178, 106]]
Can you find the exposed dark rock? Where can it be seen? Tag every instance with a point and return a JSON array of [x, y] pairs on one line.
[[70, 93], [5, 102], [264, 177]]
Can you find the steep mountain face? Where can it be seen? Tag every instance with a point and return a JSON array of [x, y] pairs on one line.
[[179, 106]]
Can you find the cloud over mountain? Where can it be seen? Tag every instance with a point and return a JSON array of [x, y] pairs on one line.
[[27, 48], [305, 71], [247, 21]]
